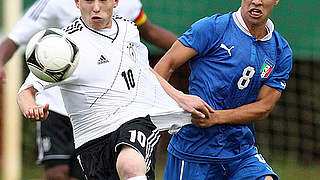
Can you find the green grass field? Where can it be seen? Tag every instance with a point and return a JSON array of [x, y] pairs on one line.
[[286, 171]]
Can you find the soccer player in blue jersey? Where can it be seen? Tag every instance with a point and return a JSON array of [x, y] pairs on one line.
[[239, 66]]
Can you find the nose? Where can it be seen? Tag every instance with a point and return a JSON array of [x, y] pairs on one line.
[[257, 2], [96, 7]]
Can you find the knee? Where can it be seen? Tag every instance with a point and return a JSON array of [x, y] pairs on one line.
[[128, 169], [130, 164]]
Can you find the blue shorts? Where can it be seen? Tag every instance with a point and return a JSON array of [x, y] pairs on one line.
[[250, 168]]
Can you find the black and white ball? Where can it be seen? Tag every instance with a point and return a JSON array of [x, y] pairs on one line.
[[51, 55]]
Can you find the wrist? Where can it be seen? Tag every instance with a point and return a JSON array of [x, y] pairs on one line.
[[178, 96]]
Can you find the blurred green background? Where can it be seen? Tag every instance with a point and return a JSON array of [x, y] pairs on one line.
[[290, 138], [296, 20]]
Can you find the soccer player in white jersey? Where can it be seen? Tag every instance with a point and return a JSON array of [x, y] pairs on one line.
[[54, 136], [114, 135]]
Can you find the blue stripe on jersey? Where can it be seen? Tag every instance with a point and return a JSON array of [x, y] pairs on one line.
[[226, 74]]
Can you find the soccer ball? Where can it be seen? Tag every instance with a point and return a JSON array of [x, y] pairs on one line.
[[51, 55]]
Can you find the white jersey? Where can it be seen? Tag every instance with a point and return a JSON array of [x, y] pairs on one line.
[[59, 13], [112, 83]]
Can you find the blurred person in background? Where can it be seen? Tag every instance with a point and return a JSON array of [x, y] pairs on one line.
[[239, 65], [54, 135]]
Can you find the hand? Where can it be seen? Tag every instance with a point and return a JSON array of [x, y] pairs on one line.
[[37, 113], [195, 105], [202, 122]]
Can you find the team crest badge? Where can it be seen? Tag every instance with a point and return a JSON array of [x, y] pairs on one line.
[[132, 51], [266, 68]]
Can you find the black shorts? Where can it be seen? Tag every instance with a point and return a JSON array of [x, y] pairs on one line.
[[98, 157], [56, 143]]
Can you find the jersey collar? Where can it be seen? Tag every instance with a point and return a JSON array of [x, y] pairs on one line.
[[110, 34], [240, 23]]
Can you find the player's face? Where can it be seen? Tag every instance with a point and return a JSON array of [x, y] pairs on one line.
[[97, 13], [257, 12]]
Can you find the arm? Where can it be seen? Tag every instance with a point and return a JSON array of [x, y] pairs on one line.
[[28, 106], [7, 49], [190, 103], [156, 35], [176, 56], [245, 114]]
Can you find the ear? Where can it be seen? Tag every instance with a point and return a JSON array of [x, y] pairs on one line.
[[115, 3], [77, 3], [276, 2]]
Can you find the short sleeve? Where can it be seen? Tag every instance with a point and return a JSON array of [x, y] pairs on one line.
[[133, 33], [33, 81], [201, 35], [130, 9], [282, 70], [39, 16]]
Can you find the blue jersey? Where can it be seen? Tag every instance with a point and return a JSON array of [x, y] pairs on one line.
[[228, 72]]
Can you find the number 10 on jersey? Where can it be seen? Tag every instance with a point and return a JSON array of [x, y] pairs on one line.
[[128, 78]]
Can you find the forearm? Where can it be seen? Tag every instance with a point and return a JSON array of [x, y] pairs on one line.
[[7, 49], [248, 113], [253, 112], [176, 56], [28, 106], [26, 99], [190, 103], [164, 69], [170, 90], [242, 115]]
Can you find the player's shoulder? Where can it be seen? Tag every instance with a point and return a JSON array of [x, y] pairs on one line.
[[216, 22], [123, 22], [75, 26], [280, 39], [281, 43]]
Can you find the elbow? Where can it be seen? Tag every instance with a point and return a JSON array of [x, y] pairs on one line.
[[266, 110], [164, 69]]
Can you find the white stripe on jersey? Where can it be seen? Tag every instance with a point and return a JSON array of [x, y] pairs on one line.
[[39, 143], [37, 9], [151, 143]]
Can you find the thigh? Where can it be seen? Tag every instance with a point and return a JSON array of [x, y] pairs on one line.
[[178, 169], [55, 138], [253, 167], [142, 135]]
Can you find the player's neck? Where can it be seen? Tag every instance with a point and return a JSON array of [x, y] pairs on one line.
[[258, 31]]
